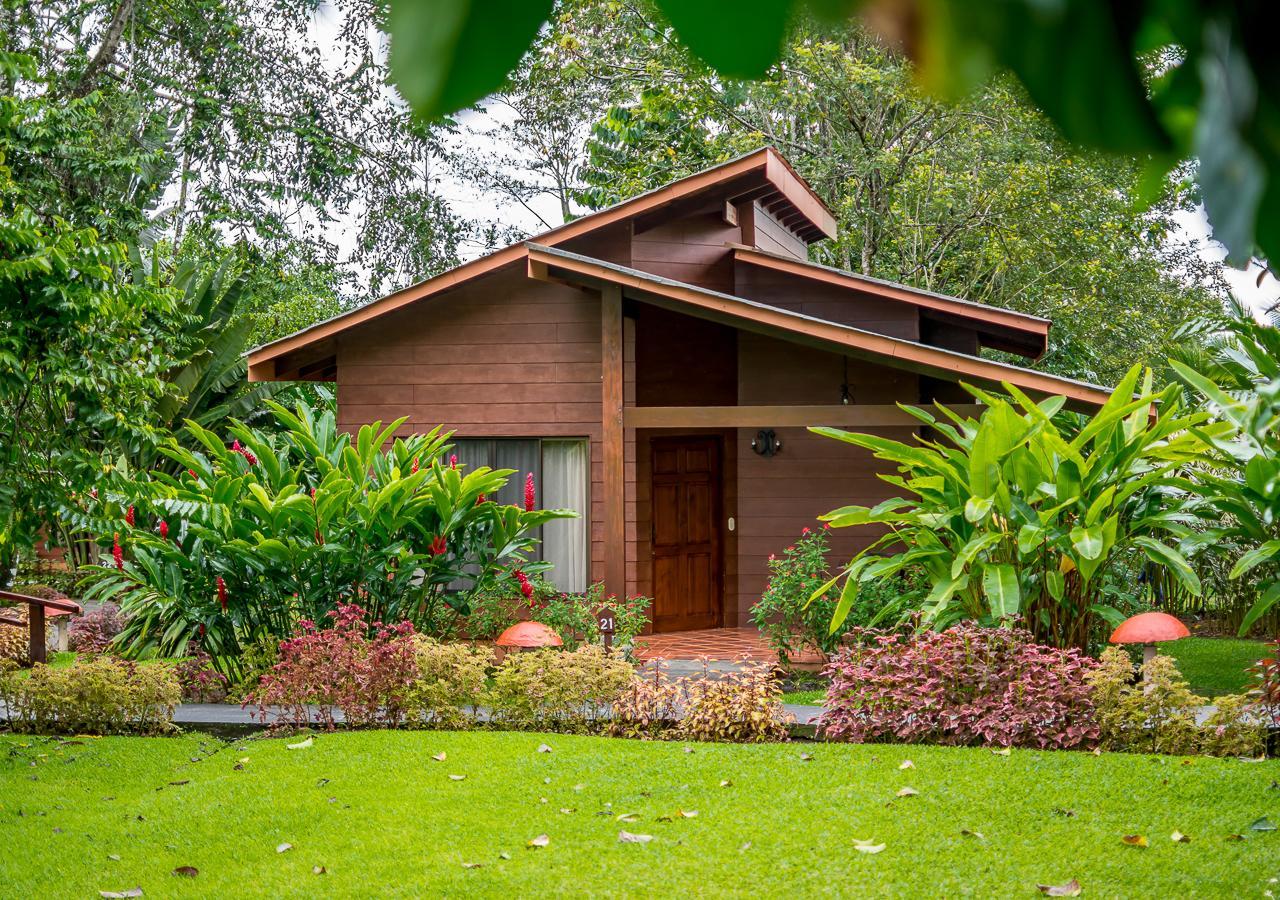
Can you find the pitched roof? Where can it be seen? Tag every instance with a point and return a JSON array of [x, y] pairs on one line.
[[556, 264], [999, 328], [760, 174]]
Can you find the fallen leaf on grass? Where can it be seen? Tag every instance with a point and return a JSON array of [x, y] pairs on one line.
[[120, 895], [1070, 889], [579, 787], [906, 764], [284, 848], [806, 757], [441, 756], [1179, 838], [1005, 752], [687, 749], [867, 846], [319, 870], [114, 857], [1235, 837], [457, 777], [543, 748], [540, 841], [966, 832], [1064, 812], [626, 837], [628, 818], [726, 783], [568, 810], [745, 847], [186, 871], [301, 745], [1263, 824], [1134, 840], [504, 855], [321, 782], [467, 865], [907, 792]]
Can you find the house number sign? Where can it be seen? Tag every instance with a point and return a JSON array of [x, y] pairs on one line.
[[604, 620]]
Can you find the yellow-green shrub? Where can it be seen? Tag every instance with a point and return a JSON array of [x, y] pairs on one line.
[[101, 695], [450, 682], [555, 689], [1156, 713]]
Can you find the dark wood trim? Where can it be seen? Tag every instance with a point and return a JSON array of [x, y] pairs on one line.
[[856, 415], [611, 379]]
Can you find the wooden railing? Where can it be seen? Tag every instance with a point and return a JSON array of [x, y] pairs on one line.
[[37, 608]]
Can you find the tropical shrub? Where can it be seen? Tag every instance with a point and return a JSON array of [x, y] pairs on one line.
[[362, 668], [1154, 711], [102, 695], [1021, 513], [572, 616], [449, 684], [283, 526], [557, 690], [1240, 487], [95, 630], [795, 612], [739, 707], [965, 685]]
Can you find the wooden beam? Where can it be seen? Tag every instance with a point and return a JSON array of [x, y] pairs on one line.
[[615, 528], [37, 648], [852, 415]]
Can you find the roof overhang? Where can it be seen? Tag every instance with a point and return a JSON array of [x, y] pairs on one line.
[[997, 328], [762, 174], [548, 263]]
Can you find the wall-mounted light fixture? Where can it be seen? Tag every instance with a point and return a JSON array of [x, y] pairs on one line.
[[766, 442]]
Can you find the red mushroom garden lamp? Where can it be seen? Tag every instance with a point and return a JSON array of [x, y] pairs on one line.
[[529, 635], [1149, 629]]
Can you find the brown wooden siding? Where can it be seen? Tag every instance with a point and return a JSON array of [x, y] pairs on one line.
[[811, 475], [694, 249], [761, 229], [826, 301]]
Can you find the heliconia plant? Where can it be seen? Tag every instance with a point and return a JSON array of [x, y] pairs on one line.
[[287, 525], [1020, 513]]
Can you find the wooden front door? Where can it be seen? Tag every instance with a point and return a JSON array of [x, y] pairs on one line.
[[687, 542]]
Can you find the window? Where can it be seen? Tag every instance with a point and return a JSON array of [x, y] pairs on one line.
[[561, 469]]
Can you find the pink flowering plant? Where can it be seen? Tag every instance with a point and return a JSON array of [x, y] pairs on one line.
[[265, 528], [795, 612], [966, 685], [362, 668]]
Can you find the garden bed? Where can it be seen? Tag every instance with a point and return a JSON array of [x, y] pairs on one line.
[[380, 815]]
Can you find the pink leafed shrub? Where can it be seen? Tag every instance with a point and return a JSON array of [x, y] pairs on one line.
[[364, 669], [94, 631], [966, 685]]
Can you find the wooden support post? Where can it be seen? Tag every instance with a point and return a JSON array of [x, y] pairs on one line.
[[36, 647], [615, 530]]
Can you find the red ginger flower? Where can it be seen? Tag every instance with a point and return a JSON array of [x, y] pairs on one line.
[[164, 529], [439, 545], [413, 470], [192, 473], [479, 499], [530, 494], [129, 517], [222, 593], [804, 530], [245, 452], [117, 552], [526, 587], [453, 461]]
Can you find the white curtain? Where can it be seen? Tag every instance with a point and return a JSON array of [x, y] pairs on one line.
[[565, 471]]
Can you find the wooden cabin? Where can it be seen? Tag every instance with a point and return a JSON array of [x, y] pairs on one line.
[[655, 365]]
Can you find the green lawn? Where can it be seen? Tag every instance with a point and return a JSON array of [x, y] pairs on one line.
[[815, 697], [384, 819], [1215, 666]]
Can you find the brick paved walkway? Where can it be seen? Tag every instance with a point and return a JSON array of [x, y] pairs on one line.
[[711, 643]]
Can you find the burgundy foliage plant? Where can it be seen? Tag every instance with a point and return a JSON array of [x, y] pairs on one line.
[[94, 631], [364, 669], [963, 686]]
